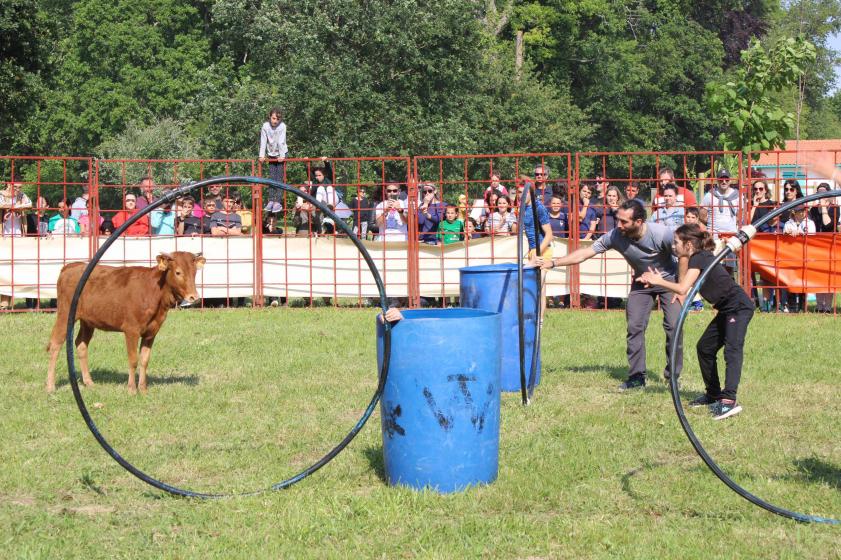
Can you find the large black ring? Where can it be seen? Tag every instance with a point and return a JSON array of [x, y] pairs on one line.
[[168, 198], [742, 237], [527, 385]]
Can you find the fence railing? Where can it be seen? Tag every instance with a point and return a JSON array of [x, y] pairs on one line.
[[269, 253]]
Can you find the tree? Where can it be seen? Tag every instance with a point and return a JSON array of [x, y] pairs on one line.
[[751, 120]]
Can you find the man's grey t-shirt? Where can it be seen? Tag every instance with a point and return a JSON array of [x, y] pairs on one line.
[[653, 249]]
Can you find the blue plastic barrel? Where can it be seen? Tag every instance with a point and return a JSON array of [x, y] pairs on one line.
[[440, 403], [493, 287]]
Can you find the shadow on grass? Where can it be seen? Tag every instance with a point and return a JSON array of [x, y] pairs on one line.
[[374, 454], [616, 372], [114, 377], [814, 470]]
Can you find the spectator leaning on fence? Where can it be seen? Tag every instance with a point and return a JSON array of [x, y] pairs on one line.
[[722, 206], [825, 215], [791, 191], [13, 201], [141, 226], [162, 220], [186, 222], [644, 245], [390, 215], [588, 218], [451, 228], [613, 200], [503, 221], [362, 211], [80, 205], [685, 198], [63, 223], [558, 218], [226, 222], [431, 212], [147, 192], [669, 213]]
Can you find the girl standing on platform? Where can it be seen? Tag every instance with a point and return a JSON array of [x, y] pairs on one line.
[[273, 147]]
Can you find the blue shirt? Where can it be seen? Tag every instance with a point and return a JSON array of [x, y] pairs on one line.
[[560, 225], [528, 222], [584, 225]]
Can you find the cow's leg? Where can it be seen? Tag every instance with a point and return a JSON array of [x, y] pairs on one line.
[[131, 346], [54, 345], [83, 339], [145, 354]]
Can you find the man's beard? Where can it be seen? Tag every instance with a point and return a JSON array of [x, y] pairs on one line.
[[632, 233]]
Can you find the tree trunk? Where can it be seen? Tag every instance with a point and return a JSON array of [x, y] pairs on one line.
[[518, 54]]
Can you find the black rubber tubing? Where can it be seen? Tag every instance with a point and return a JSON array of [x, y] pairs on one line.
[[527, 386], [743, 238], [170, 197]]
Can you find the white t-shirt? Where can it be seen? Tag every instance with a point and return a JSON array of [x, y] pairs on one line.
[[394, 228], [722, 211], [12, 225], [328, 196], [791, 227]]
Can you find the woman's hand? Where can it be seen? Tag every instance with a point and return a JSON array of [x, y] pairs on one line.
[[653, 277]]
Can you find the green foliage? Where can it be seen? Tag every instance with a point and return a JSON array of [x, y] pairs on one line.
[[752, 122]]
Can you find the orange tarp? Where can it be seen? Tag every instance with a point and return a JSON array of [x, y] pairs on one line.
[[807, 263]]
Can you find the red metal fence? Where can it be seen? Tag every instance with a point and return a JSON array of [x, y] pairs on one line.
[[289, 253]]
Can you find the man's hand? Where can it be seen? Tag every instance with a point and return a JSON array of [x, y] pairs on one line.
[[678, 298], [542, 262]]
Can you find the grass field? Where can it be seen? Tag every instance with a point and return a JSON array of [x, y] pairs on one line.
[[240, 399]]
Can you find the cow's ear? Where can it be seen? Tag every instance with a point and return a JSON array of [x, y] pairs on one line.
[[163, 261], [199, 260]]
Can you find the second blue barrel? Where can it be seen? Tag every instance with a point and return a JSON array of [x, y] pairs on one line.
[[440, 403], [493, 288]]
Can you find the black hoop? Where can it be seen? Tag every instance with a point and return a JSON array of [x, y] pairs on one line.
[[168, 198], [734, 244]]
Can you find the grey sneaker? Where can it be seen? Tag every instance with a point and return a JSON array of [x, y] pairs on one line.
[[721, 410]]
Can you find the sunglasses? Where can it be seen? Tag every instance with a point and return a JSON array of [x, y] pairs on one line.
[[391, 191], [789, 188], [540, 174], [759, 188], [427, 191]]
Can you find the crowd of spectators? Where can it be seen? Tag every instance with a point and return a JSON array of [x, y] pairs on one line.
[[381, 212]]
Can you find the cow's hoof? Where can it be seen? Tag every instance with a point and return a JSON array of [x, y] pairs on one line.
[[51, 389], [88, 382], [143, 389], [132, 390]]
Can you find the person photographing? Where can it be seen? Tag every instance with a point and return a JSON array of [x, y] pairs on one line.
[[390, 215]]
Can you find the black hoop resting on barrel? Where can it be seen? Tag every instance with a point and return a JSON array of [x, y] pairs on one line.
[[168, 198], [734, 244]]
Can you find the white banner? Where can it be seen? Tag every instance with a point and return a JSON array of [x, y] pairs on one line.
[[296, 267]]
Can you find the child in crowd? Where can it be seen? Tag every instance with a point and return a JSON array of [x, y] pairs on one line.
[[451, 228], [728, 328], [273, 146]]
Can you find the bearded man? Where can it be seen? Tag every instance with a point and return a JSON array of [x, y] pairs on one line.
[[645, 246]]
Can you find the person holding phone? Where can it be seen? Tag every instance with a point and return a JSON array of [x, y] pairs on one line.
[[390, 215]]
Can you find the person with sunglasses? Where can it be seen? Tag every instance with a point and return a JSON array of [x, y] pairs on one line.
[[430, 213], [791, 191], [390, 215], [760, 205]]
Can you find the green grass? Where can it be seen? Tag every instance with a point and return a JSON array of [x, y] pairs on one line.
[[240, 399]]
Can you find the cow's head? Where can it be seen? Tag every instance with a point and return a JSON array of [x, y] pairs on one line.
[[180, 274]]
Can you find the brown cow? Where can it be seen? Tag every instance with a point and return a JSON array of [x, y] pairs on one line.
[[133, 300]]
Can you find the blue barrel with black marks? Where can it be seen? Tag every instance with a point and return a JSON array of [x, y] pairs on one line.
[[440, 403], [493, 288]]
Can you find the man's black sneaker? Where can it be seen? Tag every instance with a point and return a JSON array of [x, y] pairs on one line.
[[703, 400], [721, 410], [633, 383]]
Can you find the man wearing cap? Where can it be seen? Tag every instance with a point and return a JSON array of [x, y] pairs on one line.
[[722, 206]]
